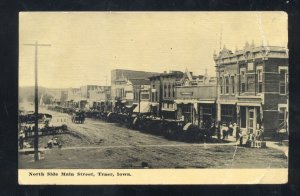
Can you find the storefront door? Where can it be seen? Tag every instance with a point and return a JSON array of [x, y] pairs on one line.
[[251, 121]]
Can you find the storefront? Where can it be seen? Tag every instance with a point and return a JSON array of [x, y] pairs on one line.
[[207, 114], [168, 110], [228, 113], [187, 113], [250, 117], [200, 113], [154, 109]]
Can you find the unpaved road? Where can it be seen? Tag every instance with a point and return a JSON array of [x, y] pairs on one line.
[[98, 144]]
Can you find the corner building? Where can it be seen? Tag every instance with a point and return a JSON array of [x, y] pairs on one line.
[[253, 88]]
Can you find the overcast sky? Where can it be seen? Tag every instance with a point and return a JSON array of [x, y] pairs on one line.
[[85, 47]]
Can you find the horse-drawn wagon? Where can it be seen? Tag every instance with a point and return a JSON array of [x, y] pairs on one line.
[[78, 117]]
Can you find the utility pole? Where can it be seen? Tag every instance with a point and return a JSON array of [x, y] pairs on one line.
[[140, 100], [36, 102]]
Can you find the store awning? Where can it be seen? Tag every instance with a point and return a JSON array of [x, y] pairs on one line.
[[192, 101], [144, 107], [168, 109], [249, 104], [229, 102], [207, 101], [184, 101]]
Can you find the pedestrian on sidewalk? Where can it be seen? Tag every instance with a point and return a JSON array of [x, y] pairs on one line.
[[237, 133], [241, 138], [21, 139], [224, 131], [230, 129]]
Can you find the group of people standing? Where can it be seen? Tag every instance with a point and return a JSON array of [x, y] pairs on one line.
[[223, 130], [24, 133]]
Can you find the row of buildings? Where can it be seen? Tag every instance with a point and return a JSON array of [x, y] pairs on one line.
[[250, 88]]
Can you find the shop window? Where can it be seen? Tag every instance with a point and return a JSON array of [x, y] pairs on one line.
[[228, 113], [186, 108], [206, 110]]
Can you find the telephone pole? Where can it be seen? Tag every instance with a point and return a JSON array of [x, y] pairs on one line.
[[36, 102]]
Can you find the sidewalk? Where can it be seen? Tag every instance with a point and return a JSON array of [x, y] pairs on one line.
[[270, 144], [278, 146]]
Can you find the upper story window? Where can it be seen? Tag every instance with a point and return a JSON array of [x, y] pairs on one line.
[[283, 81], [226, 85], [221, 85], [169, 90], [232, 84], [174, 93], [165, 90], [243, 81], [259, 80], [250, 82], [152, 96]]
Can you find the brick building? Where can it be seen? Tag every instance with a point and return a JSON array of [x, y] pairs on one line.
[[163, 93], [253, 88]]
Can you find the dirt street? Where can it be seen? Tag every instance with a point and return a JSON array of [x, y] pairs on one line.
[[98, 144]]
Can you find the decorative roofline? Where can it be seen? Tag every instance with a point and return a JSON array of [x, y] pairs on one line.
[[250, 52]]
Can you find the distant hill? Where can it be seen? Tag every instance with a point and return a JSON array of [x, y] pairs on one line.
[[27, 92]]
